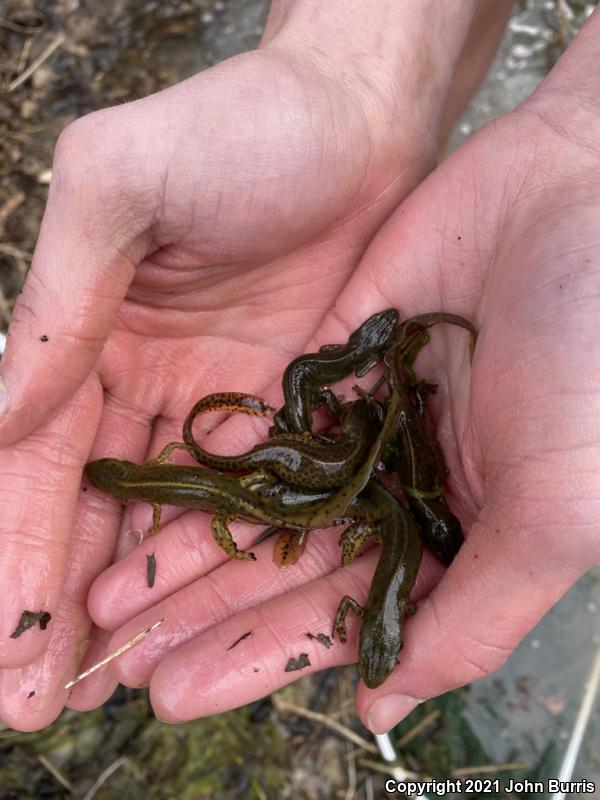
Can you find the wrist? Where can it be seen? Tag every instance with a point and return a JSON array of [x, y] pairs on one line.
[[396, 56], [568, 99]]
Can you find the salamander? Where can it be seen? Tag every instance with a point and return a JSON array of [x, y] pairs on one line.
[[293, 457], [384, 518], [414, 454], [306, 377]]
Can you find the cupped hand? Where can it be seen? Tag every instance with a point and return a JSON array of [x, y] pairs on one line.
[[194, 240], [505, 233]]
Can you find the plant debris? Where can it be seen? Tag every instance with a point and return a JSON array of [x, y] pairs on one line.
[[28, 620], [241, 639], [151, 568], [295, 664], [321, 638]]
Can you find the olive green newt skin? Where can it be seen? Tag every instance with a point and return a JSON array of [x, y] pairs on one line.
[[306, 376], [419, 459], [382, 517], [293, 457], [230, 498]]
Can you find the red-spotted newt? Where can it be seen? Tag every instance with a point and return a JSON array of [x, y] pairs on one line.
[[306, 377], [295, 458]]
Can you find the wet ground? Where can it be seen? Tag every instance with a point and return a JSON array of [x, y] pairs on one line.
[[120, 49]]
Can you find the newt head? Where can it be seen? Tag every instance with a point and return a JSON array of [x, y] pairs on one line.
[[378, 667], [106, 474], [375, 332], [379, 643]]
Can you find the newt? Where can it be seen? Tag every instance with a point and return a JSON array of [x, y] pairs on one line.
[[293, 457], [232, 498], [414, 454], [305, 379], [380, 639]]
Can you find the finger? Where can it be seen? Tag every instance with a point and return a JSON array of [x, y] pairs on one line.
[[90, 550], [183, 551], [218, 671], [220, 592], [236, 434], [40, 482], [33, 696], [93, 691], [124, 432], [494, 592], [89, 243], [235, 589]]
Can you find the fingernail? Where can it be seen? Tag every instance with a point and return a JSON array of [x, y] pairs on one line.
[[3, 397], [389, 711]]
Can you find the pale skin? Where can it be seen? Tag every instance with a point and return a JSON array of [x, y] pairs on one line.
[[234, 283]]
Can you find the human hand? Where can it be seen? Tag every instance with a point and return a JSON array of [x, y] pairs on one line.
[[185, 234], [504, 233]]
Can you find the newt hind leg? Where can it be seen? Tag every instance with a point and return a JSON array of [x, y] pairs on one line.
[[353, 538], [156, 508], [225, 540]]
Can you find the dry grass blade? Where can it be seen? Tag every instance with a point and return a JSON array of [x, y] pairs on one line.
[[43, 56], [9, 207], [58, 776], [104, 776], [16, 252], [581, 723], [123, 649], [351, 791], [486, 769], [418, 728], [283, 705]]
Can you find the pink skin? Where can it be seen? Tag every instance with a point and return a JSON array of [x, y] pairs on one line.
[[520, 432], [506, 233], [206, 232]]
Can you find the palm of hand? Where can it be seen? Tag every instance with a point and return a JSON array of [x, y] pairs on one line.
[[218, 283], [515, 261], [515, 250]]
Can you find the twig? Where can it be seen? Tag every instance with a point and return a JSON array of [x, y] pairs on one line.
[[351, 791], [417, 729], [10, 734], [9, 207], [16, 252], [104, 776], [485, 769], [56, 774], [583, 716], [24, 57], [127, 646], [283, 705], [396, 770], [22, 29], [44, 56]]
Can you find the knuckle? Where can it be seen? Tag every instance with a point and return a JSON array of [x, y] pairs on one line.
[[476, 659], [77, 147], [104, 174], [89, 161]]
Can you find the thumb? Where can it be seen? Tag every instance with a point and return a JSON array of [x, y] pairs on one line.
[[84, 261]]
